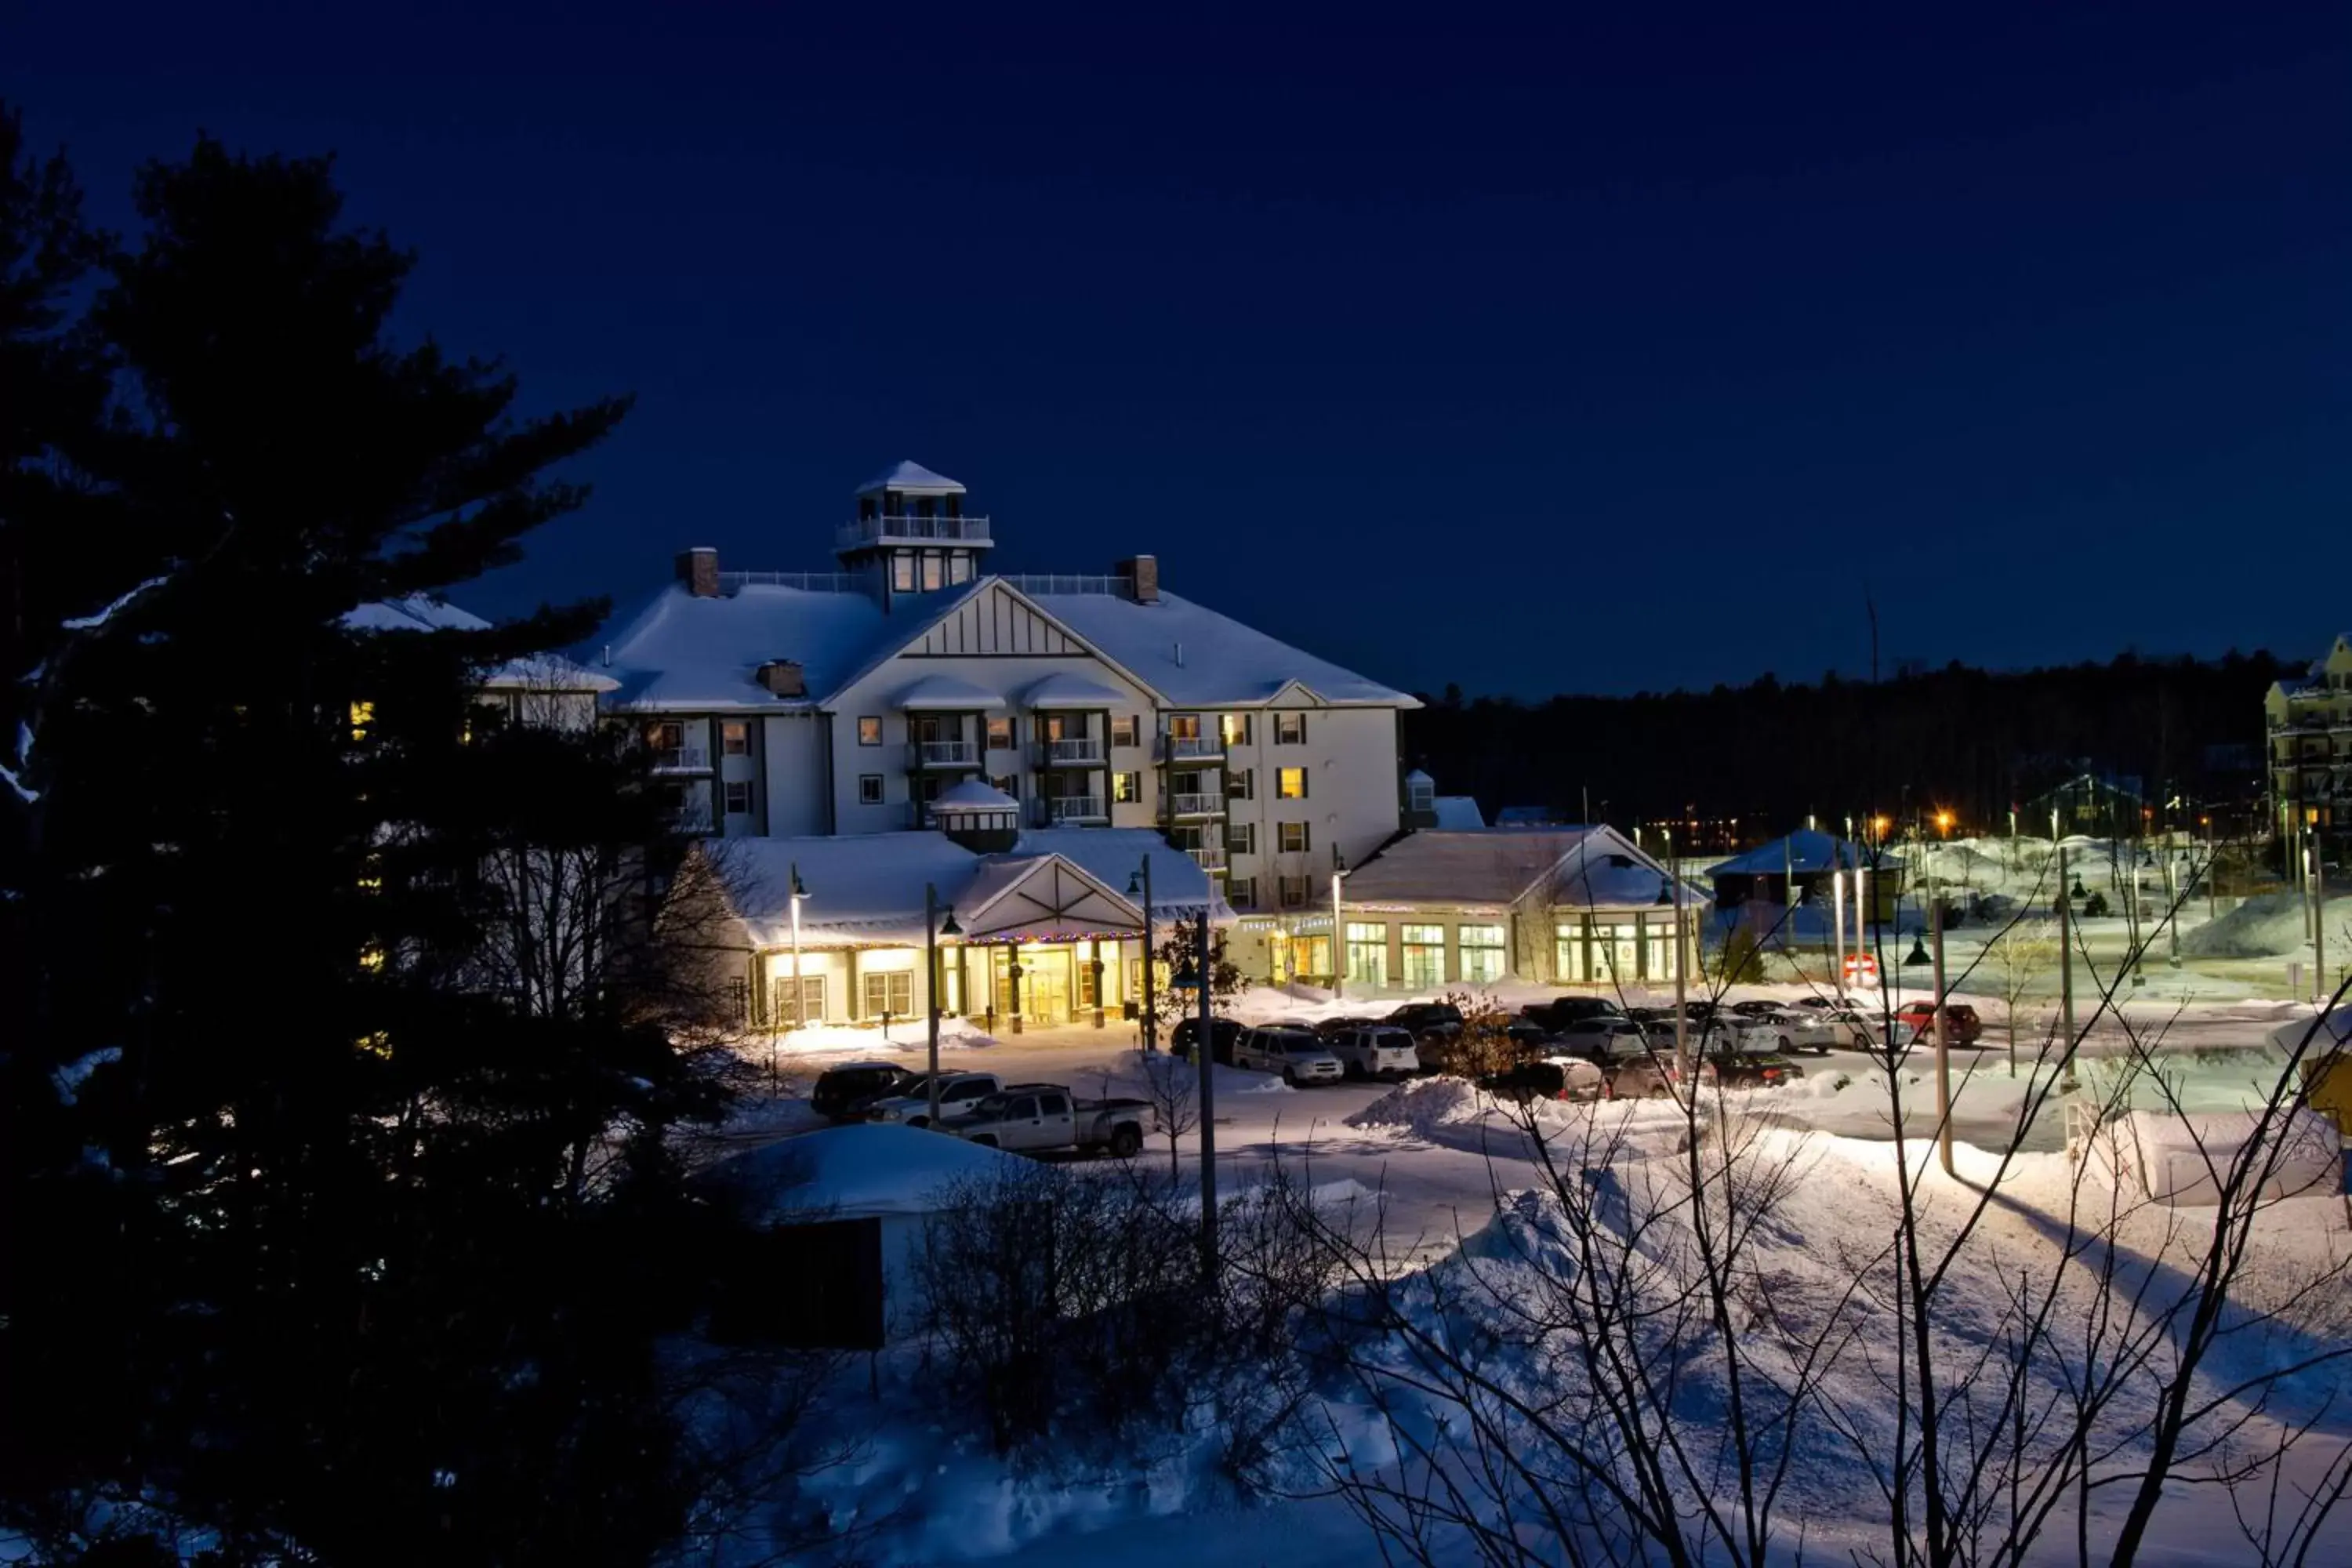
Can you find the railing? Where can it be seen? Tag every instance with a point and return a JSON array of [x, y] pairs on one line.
[[1086, 749], [814, 582], [1065, 582], [943, 753], [1196, 804], [680, 759], [1208, 857], [1182, 748], [889, 528], [690, 817], [1072, 808]]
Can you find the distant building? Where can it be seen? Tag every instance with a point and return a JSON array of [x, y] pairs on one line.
[[2309, 725], [2094, 805], [1567, 905], [1808, 860]]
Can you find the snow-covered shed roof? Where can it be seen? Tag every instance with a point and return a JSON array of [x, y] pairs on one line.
[[937, 692], [1585, 868], [1805, 851], [1457, 813], [1065, 690], [908, 475], [860, 1172], [423, 613], [1194, 657]]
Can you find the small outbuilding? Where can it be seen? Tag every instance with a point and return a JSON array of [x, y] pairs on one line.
[[1809, 861]]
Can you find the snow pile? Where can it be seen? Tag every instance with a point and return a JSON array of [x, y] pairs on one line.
[[2269, 925], [852, 1172], [904, 1034], [1424, 1103]]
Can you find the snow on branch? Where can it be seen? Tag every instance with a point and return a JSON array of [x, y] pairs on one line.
[[92, 623]]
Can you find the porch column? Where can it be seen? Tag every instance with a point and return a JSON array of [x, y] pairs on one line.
[[854, 1003], [1095, 962]]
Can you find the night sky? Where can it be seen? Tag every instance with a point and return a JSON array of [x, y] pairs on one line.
[[1589, 354]]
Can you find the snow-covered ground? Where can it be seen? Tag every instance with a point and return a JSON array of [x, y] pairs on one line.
[[1444, 1162]]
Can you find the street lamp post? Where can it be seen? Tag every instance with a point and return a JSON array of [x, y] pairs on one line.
[[800, 991], [1140, 883], [1339, 952], [1196, 975], [932, 932]]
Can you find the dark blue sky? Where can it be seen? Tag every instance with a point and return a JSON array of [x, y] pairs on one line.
[[1582, 353]]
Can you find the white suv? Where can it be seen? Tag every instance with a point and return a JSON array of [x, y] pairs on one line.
[[1378, 1050], [1298, 1054]]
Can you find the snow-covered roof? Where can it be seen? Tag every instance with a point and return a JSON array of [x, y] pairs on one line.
[[866, 889], [1805, 851], [861, 1171], [1457, 813], [680, 651], [1194, 657], [1112, 855], [1070, 691], [908, 475], [423, 613], [945, 691], [1589, 868], [973, 795]]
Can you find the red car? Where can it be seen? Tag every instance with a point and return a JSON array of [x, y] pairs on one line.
[[1961, 1025]]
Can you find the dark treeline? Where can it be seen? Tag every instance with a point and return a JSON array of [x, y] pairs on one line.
[[1970, 741]]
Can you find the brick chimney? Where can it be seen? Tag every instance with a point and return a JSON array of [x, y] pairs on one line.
[[698, 569], [1141, 576], [785, 677]]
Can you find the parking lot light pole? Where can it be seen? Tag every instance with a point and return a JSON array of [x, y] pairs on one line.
[[1338, 959], [1682, 968], [1943, 1045], [1204, 1054], [1141, 883], [933, 930]]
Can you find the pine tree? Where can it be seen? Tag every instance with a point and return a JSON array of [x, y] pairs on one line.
[[337, 1266]]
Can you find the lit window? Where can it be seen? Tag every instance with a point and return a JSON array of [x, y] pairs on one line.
[[1127, 788], [1290, 783], [891, 991], [1424, 955], [1000, 734], [1126, 729], [1368, 952], [869, 731], [735, 738], [869, 789], [371, 958], [1482, 953], [363, 717], [1290, 837], [902, 573], [934, 572], [1236, 728], [1290, 729]]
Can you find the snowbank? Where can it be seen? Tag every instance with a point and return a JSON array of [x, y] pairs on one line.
[[905, 1035], [1422, 1104], [2183, 1160], [856, 1172], [2268, 925]]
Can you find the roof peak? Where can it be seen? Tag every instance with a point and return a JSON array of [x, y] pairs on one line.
[[907, 474]]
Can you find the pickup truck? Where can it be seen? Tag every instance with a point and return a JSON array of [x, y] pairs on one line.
[[909, 1100], [1040, 1118]]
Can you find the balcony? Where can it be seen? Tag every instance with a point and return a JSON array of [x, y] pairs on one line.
[[1208, 857], [1196, 804], [681, 759], [943, 753], [1063, 810], [896, 530], [691, 816], [1087, 751], [1191, 748]]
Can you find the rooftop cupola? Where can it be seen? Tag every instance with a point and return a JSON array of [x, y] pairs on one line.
[[912, 530]]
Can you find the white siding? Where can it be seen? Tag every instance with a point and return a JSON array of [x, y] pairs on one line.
[[794, 751]]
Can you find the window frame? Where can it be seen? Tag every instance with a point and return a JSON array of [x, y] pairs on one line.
[[1289, 728], [990, 732], [729, 791], [870, 790], [1127, 787], [1241, 837], [1282, 837], [1126, 729], [1283, 779], [869, 729], [734, 737]]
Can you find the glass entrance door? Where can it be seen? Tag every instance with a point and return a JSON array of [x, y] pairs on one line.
[[1046, 976]]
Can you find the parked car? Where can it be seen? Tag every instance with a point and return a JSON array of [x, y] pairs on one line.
[[1379, 1050], [910, 1101], [1553, 1078], [1223, 1033], [1749, 1069], [1526, 1034], [1756, 1007], [1299, 1054], [1786, 1029], [1443, 1019], [1040, 1118], [1342, 1025], [1860, 1028], [1559, 1012], [1639, 1070], [843, 1092], [1597, 1039], [1961, 1027]]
